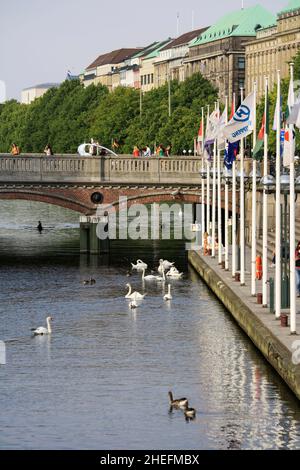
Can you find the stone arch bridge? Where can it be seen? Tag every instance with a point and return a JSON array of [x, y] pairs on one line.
[[81, 183], [70, 181]]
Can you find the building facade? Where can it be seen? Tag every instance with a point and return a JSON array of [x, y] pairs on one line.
[[105, 69], [147, 67], [219, 53], [169, 63], [30, 94], [273, 48]]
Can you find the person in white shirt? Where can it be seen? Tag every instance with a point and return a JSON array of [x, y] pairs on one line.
[[147, 152]]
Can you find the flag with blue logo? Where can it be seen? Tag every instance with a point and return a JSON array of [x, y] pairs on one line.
[[242, 123]]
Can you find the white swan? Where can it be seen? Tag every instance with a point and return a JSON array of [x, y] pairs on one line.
[[164, 264], [168, 296], [174, 273], [133, 295], [139, 265], [41, 330], [151, 277]]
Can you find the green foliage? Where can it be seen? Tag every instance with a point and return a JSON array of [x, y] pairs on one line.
[[71, 114]]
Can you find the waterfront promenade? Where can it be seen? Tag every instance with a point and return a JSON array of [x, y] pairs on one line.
[[274, 341]]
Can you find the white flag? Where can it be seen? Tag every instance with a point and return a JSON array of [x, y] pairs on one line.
[[277, 111], [242, 122], [212, 127], [220, 128], [294, 117]]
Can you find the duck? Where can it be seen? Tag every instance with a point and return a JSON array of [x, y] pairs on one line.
[[87, 282], [151, 277], [133, 305], [41, 330], [139, 265], [189, 413], [133, 295], [92, 281], [164, 264], [174, 273], [178, 403], [168, 296]]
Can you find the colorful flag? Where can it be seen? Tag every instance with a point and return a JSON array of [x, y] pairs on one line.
[[289, 146], [264, 130], [260, 140], [231, 154], [200, 132], [241, 125]]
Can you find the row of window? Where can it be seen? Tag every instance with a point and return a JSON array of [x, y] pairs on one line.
[[147, 79]]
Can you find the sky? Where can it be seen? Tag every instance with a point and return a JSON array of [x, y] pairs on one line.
[[42, 39]]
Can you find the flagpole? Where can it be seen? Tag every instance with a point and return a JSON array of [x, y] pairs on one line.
[[254, 189], [202, 183], [226, 206], [208, 186], [214, 196], [292, 224], [265, 207], [242, 207], [278, 203], [234, 210], [220, 244]]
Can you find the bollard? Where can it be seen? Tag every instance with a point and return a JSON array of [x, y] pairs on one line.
[[284, 320], [237, 277], [259, 299]]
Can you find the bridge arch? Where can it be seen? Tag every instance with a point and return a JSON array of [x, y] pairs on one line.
[[60, 200]]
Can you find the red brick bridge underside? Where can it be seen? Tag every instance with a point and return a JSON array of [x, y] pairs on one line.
[[78, 197]]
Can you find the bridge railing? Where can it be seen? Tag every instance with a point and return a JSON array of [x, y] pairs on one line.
[[123, 169]]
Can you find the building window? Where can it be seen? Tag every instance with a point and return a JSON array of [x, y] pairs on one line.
[[149, 79], [241, 63], [241, 83], [152, 77]]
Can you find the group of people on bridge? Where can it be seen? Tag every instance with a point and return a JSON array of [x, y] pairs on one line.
[[159, 151]]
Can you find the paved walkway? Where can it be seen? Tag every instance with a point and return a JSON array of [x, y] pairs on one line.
[[244, 293]]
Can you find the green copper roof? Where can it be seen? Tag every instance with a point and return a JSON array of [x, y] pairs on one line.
[[159, 46], [239, 23], [292, 5]]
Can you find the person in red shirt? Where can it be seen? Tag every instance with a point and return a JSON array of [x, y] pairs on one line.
[[136, 151]]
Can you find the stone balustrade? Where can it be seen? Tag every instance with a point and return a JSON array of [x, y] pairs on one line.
[[33, 168]]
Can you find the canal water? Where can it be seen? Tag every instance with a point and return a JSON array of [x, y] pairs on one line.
[[101, 380]]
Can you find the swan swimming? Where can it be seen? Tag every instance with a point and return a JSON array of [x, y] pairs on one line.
[[168, 296], [139, 265], [174, 273], [164, 264], [151, 277], [41, 330], [133, 305], [133, 295]]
